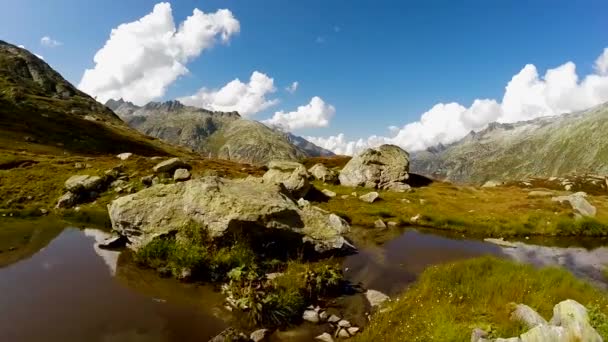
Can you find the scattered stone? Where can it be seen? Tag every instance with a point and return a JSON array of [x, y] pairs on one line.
[[79, 166], [147, 180], [118, 183], [324, 337], [311, 316], [379, 224], [322, 173], [181, 175], [478, 335], [156, 180], [353, 330], [526, 315], [292, 175], [344, 324], [398, 187], [67, 200], [491, 184], [392, 224], [501, 242], [405, 200], [540, 193], [343, 333], [568, 187], [344, 197], [578, 203], [333, 319], [328, 193], [258, 335], [217, 204], [124, 156], [43, 211], [376, 298], [422, 201], [80, 183], [415, 219], [378, 168], [168, 166], [370, 197], [323, 316], [354, 194]]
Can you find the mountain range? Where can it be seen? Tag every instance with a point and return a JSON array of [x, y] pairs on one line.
[[575, 143], [224, 135]]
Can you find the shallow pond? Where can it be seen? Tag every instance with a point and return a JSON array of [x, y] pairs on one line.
[[67, 289]]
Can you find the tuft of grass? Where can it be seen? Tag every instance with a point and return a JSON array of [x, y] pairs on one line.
[[449, 300]]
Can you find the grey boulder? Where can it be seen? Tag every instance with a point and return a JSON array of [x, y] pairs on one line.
[[579, 204], [170, 165], [292, 175], [383, 167], [219, 205], [322, 173]]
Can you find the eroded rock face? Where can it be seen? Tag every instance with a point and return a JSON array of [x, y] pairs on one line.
[[219, 205], [383, 168], [322, 173], [292, 175]]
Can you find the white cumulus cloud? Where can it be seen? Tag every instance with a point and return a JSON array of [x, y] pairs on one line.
[[527, 96], [49, 42], [317, 113], [245, 98], [142, 58], [292, 87]]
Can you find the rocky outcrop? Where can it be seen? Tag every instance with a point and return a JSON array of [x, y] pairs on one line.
[[219, 206], [579, 204], [322, 173], [385, 167], [570, 322], [291, 174]]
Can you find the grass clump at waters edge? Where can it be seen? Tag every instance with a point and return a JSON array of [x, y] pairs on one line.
[[258, 299], [450, 300]]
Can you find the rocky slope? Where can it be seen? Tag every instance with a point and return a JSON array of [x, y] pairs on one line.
[[215, 134], [41, 111], [573, 143]]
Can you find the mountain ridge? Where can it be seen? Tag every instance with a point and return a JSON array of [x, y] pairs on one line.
[[224, 135], [543, 147]]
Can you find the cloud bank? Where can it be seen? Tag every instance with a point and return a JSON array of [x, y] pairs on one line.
[[245, 98], [315, 114], [142, 58], [527, 96]]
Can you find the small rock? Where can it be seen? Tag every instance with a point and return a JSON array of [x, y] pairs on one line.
[[322, 173], [274, 275], [43, 211], [353, 330], [303, 203], [333, 319], [114, 242], [344, 324], [324, 337], [354, 194], [478, 335], [344, 197], [181, 175], [491, 184], [258, 335], [379, 224], [568, 187], [376, 298], [124, 156], [328, 193], [83, 182], [168, 166], [578, 203], [310, 316], [392, 224], [343, 333], [67, 200], [147, 180], [323, 316], [422, 201], [540, 193], [79, 166], [370, 197], [415, 219], [526, 315]]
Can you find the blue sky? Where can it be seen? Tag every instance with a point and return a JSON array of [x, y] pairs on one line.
[[378, 63]]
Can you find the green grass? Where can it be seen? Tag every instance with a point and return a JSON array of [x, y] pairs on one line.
[[500, 212], [449, 300]]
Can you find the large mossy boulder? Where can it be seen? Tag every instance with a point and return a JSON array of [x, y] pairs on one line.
[[385, 167], [220, 206], [292, 175]]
